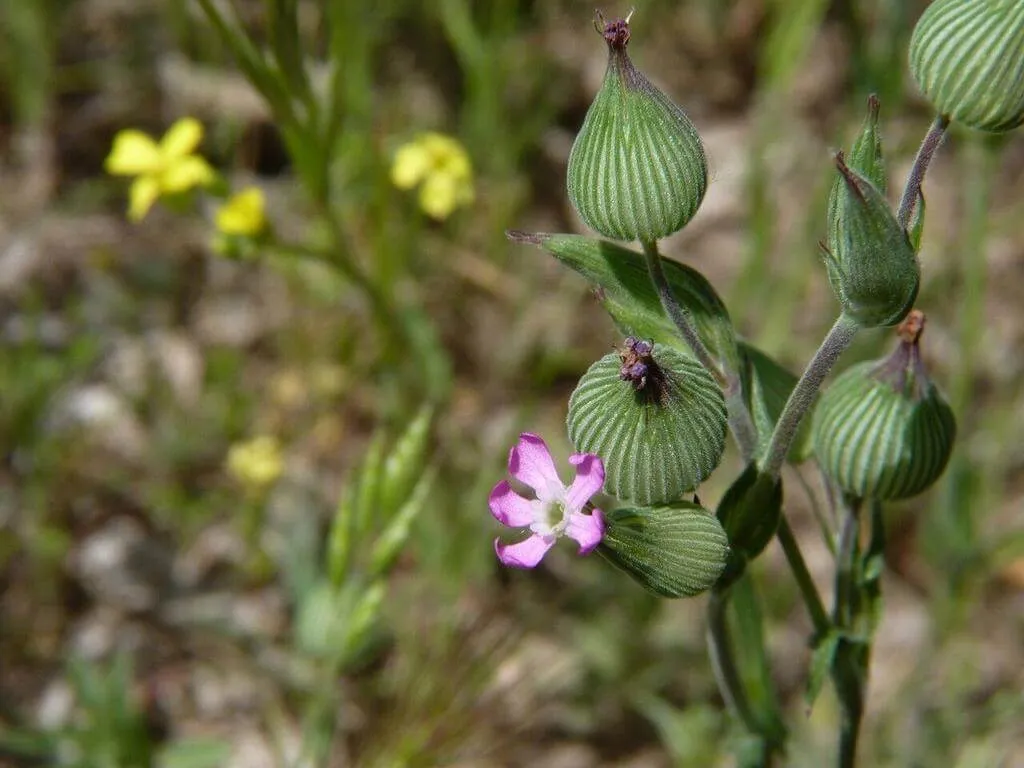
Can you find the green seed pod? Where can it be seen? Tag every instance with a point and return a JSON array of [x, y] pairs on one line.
[[883, 429], [674, 551], [637, 169], [655, 417], [967, 57], [871, 263]]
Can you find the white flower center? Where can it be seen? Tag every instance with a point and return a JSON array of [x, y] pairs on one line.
[[550, 516]]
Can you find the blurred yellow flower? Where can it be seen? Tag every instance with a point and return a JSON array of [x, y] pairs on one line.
[[440, 166], [165, 168], [256, 463], [244, 213]]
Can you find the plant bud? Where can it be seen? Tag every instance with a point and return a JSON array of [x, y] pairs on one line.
[[871, 263], [674, 551], [637, 169], [655, 417], [967, 57], [883, 429], [865, 157]]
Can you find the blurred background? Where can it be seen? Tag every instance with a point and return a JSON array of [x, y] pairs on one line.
[[183, 425]]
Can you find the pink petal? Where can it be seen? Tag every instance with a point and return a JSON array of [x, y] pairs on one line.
[[587, 530], [508, 507], [589, 480], [530, 462], [525, 554]]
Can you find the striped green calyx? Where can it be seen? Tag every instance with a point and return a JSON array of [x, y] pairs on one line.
[[655, 417], [637, 169], [883, 429], [871, 262], [967, 57], [672, 551]]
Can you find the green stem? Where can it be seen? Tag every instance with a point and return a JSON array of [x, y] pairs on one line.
[[849, 670], [802, 396], [723, 663], [677, 312], [932, 141], [809, 592], [827, 535], [740, 422]]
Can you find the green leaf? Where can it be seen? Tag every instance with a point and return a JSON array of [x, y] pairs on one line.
[[915, 231], [625, 290], [404, 463], [391, 540], [766, 388], [865, 155], [746, 620], [658, 442], [367, 498], [750, 511], [194, 753], [673, 551], [821, 664]]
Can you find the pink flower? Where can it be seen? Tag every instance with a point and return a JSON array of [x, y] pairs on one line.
[[556, 511]]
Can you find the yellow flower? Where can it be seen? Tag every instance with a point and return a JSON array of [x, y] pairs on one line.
[[256, 463], [165, 168], [440, 166], [244, 214]]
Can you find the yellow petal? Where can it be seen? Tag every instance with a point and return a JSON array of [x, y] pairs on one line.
[[410, 165], [439, 145], [243, 213], [457, 165], [256, 463], [185, 173], [144, 192], [438, 195], [133, 153], [182, 138]]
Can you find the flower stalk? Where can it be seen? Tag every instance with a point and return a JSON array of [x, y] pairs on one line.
[[929, 146]]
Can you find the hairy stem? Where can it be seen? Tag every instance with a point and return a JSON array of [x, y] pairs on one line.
[[677, 313], [802, 396], [740, 422], [932, 141]]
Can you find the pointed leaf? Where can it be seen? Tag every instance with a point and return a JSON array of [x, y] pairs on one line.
[[750, 511], [821, 664], [624, 288], [766, 387]]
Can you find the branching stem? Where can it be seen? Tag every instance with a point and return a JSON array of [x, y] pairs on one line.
[[802, 396], [925, 153], [740, 422]]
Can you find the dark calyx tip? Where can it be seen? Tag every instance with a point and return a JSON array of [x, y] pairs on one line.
[[873, 106], [853, 181], [638, 366], [615, 32], [904, 370], [912, 326]]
